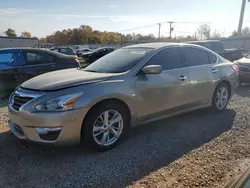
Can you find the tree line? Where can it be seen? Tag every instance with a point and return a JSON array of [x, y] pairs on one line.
[[12, 33], [86, 35]]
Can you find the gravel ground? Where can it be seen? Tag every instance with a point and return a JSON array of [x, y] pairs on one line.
[[199, 149]]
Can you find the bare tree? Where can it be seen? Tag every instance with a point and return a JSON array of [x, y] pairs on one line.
[[204, 30], [215, 35]]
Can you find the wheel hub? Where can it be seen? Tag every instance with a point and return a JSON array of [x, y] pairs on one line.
[[108, 128]]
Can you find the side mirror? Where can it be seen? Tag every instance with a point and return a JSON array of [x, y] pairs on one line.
[[152, 69]]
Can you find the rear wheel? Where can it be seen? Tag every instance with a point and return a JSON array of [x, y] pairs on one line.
[[105, 126], [221, 97]]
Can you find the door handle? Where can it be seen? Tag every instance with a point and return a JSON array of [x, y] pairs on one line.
[[214, 70], [182, 78]]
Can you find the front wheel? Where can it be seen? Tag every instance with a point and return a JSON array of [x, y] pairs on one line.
[[106, 125], [221, 97]]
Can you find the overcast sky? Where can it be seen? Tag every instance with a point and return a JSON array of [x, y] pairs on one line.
[[44, 17]]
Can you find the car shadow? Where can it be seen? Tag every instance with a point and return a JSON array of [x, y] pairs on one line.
[[4, 101], [148, 148], [243, 90]]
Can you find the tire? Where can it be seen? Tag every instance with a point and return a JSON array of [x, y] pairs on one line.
[[94, 121], [220, 106]]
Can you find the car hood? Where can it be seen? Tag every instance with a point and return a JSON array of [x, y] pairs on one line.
[[64, 79]]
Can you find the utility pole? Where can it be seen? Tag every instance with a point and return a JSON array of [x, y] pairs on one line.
[[159, 31], [242, 11], [170, 29]]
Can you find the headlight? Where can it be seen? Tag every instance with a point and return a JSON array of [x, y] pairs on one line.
[[62, 103]]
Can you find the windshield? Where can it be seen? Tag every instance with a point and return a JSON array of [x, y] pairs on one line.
[[118, 61]]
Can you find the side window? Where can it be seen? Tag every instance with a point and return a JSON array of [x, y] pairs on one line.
[[6, 58], [33, 58], [195, 56], [168, 58], [212, 58], [217, 47], [207, 45], [63, 50]]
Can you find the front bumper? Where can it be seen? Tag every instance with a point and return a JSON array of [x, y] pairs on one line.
[[67, 124]]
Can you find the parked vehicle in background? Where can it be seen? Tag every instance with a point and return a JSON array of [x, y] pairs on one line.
[[83, 51], [217, 47], [244, 68], [20, 64], [80, 47], [96, 54], [64, 50], [132, 85]]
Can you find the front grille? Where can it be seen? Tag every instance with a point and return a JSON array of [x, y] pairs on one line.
[[17, 101]]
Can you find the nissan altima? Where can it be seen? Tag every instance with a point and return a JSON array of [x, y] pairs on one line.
[[130, 86]]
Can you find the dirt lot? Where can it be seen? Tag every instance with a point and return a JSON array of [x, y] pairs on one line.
[[199, 149]]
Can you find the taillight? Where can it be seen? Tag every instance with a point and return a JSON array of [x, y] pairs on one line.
[[235, 67]]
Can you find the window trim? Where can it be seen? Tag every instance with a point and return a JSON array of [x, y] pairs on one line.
[[199, 48], [136, 73]]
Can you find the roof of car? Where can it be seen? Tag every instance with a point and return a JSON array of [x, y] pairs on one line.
[[202, 41], [155, 45], [35, 49]]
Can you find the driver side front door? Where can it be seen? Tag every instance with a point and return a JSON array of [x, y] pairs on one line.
[[164, 93]]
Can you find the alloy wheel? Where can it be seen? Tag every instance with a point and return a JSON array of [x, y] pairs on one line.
[[221, 98], [107, 128]]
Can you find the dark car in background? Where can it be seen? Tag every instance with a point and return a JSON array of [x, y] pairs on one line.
[[244, 68], [20, 64], [216, 46], [64, 50], [96, 54]]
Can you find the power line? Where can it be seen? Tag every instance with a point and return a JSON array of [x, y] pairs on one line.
[[141, 27], [194, 22]]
